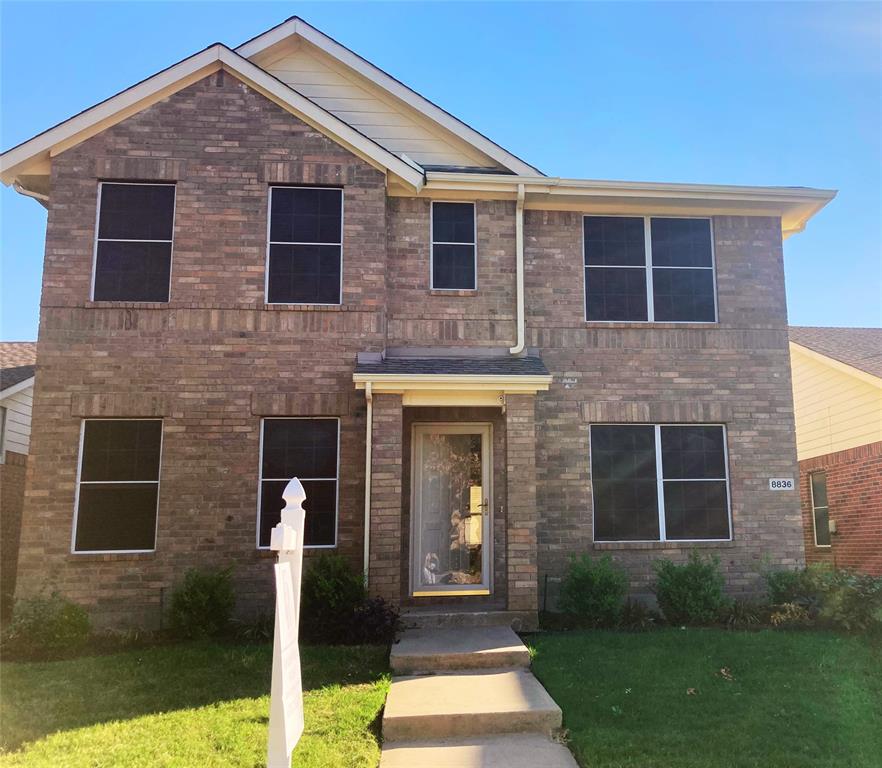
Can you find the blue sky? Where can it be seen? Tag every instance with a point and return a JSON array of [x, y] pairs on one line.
[[730, 93]]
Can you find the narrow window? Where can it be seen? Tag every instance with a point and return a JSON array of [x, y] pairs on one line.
[[2, 434], [118, 488], [820, 509], [305, 262], [682, 271], [454, 264], [659, 483], [615, 268], [308, 450], [133, 245]]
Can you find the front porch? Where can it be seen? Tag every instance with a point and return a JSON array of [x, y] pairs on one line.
[[450, 492]]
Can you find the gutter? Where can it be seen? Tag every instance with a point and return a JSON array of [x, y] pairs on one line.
[[369, 397], [519, 256]]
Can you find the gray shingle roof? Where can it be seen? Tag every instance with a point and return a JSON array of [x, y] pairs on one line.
[[457, 366], [860, 348], [17, 362]]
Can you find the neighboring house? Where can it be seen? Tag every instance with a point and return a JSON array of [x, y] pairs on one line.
[[837, 397], [279, 260], [17, 366]]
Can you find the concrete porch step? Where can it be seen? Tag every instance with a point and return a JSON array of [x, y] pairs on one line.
[[468, 704], [527, 750], [429, 618], [442, 650]]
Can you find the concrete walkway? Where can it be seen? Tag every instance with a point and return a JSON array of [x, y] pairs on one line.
[[465, 698]]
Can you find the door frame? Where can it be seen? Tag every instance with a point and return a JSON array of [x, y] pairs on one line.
[[485, 429]]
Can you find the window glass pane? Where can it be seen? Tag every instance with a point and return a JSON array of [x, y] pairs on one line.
[[819, 489], [320, 506], [615, 294], [624, 482], [453, 223], [136, 211], [693, 452], [115, 450], [116, 517], [614, 241], [306, 215], [681, 242], [696, 510], [304, 448], [453, 266], [132, 271], [683, 295], [304, 274], [822, 526]]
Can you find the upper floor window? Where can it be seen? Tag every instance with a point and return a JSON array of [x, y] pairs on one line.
[[118, 485], [308, 450], [820, 508], [305, 260], [649, 269], [454, 262], [133, 246], [662, 482]]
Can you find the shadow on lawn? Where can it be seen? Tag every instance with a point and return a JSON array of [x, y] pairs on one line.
[[44, 697]]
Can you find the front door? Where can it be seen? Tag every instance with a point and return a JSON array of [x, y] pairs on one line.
[[451, 510]]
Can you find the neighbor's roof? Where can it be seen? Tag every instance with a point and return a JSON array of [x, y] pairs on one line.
[[455, 366], [860, 348], [17, 362]]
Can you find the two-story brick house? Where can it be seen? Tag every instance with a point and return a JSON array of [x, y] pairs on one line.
[[278, 260]]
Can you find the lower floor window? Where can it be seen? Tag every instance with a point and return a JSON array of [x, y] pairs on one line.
[[308, 450], [118, 487], [659, 482], [820, 509]]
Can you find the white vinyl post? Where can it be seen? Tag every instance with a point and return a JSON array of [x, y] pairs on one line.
[[286, 694]]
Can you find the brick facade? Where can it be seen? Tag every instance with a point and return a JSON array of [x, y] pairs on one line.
[[215, 359], [854, 496]]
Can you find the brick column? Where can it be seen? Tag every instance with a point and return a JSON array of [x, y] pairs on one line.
[[520, 468], [384, 574]]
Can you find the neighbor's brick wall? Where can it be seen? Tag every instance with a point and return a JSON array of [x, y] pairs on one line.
[[213, 360], [854, 495], [736, 372], [12, 488]]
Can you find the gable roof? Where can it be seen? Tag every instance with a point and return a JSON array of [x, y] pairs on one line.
[[31, 158], [860, 348], [17, 362], [467, 147]]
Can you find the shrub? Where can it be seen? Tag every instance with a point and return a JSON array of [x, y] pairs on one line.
[[740, 614], [637, 617], [258, 629], [46, 628], [691, 593], [376, 621], [593, 590], [790, 615], [330, 595], [202, 604]]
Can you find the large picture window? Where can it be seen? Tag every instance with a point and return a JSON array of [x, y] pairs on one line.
[[820, 508], [118, 488], [305, 260], [649, 269], [306, 449], [659, 482], [454, 264], [133, 245]]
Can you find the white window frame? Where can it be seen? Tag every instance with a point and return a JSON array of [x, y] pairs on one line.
[[261, 479], [660, 481], [814, 518], [270, 243], [80, 482], [647, 266], [433, 243], [171, 255]]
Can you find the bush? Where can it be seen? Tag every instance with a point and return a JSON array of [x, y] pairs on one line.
[[375, 621], [202, 605], [46, 628], [637, 617], [330, 595], [594, 590], [260, 628], [691, 593]]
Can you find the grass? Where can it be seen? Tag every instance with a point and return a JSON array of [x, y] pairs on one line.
[[194, 705], [662, 700]]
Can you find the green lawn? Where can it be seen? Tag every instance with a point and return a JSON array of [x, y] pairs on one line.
[[196, 705], [661, 700]]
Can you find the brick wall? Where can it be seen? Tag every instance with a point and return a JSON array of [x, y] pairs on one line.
[[12, 488], [854, 495]]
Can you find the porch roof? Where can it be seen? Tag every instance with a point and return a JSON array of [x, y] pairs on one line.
[[455, 366]]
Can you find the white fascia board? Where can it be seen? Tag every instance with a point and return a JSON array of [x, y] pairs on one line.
[[190, 70], [296, 26], [835, 364], [16, 388]]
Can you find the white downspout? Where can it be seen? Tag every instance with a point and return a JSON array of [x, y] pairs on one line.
[[519, 255], [369, 396]]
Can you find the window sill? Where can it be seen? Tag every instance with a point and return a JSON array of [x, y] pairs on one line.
[[172, 304], [107, 557], [465, 292], [619, 545], [644, 324]]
